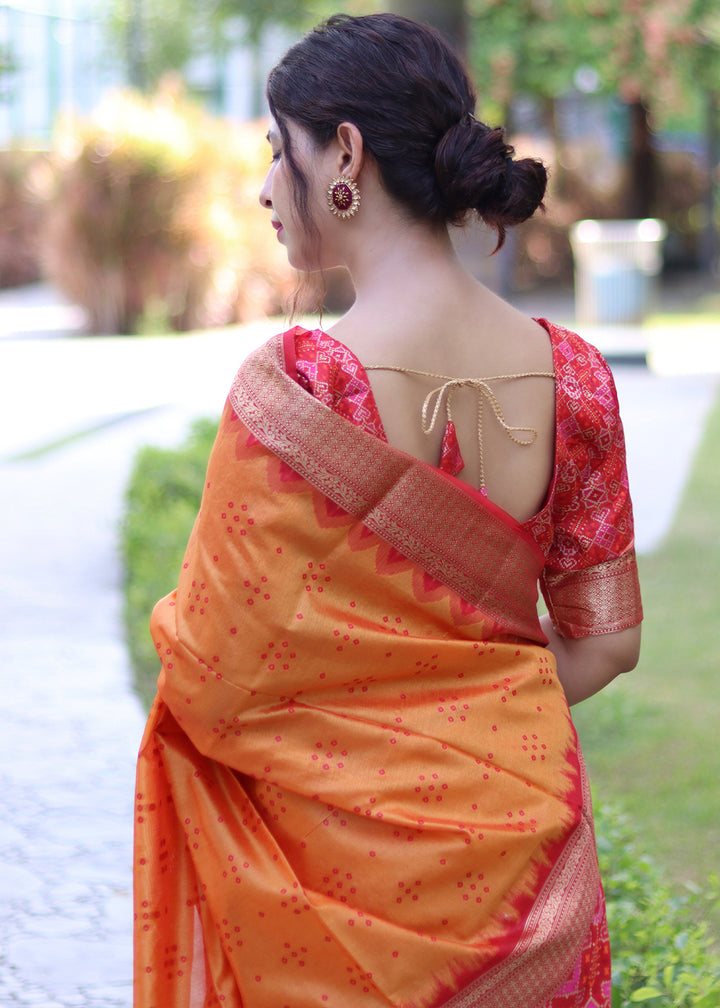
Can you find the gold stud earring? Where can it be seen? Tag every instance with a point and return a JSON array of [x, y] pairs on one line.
[[343, 197]]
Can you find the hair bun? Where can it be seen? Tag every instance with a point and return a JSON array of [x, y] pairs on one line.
[[409, 95], [476, 171]]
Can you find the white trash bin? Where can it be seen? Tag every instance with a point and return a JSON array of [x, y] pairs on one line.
[[616, 266]]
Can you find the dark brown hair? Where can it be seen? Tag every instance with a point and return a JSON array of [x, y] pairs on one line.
[[407, 92]]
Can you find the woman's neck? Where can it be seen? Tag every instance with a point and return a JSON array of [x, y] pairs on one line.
[[407, 269]]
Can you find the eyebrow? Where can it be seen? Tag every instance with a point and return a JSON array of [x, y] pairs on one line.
[[272, 135]]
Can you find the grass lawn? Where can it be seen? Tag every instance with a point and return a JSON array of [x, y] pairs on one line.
[[651, 739]]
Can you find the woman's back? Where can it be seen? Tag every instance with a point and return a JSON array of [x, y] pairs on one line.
[[454, 328]]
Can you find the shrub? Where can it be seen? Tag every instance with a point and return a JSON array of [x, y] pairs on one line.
[[155, 212], [21, 212], [162, 499], [663, 951]]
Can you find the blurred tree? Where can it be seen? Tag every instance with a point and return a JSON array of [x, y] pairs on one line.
[[528, 47], [159, 36], [663, 53], [449, 16], [252, 17], [702, 70], [257, 14], [156, 37], [8, 67], [657, 55]]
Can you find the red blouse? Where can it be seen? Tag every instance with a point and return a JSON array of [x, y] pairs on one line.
[[585, 528]]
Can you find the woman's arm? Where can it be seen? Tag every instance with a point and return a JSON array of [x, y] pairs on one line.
[[587, 664]]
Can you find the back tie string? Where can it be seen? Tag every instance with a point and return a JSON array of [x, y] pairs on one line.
[[443, 394]]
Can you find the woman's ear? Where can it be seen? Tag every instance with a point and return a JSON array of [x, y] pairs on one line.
[[351, 152]]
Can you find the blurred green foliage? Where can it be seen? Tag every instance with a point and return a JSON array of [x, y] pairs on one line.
[[662, 52], [664, 954], [162, 499], [658, 60], [656, 51], [161, 36]]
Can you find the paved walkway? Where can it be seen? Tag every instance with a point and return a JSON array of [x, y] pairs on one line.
[[71, 722]]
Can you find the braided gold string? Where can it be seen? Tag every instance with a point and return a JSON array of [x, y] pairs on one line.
[[434, 401]]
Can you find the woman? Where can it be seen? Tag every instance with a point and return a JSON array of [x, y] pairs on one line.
[[360, 784]]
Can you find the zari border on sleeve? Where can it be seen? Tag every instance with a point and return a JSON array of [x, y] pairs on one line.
[[597, 600]]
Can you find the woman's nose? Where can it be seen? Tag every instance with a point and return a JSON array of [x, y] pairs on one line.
[[265, 200]]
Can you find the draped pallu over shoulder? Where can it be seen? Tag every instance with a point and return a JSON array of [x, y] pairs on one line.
[[410, 504], [360, 784]]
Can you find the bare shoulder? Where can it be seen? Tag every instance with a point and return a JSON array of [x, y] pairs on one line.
[[511, 340], [475, 336]]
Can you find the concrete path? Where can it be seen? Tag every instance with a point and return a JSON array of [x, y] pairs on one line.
[[72, 414]]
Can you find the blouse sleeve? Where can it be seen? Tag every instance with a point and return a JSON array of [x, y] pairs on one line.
[[333, 375], [590, 581]]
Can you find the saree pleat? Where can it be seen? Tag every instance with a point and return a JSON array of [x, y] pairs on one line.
[[360, 783]]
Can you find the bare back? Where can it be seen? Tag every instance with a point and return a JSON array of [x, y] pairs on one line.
[[481, 339]]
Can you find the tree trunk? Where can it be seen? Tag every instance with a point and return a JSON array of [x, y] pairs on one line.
[[709, 244], [641, 196], [135, 47], [448, 16]]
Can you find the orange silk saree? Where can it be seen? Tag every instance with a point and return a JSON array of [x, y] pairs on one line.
[[359, 784]]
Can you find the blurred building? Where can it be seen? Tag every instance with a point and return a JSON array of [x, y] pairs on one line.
[[59, 60], [63, 60]]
